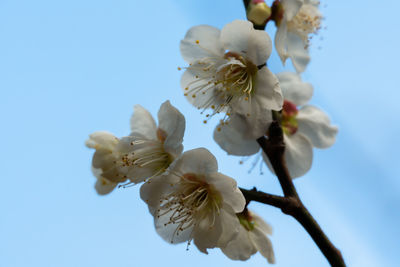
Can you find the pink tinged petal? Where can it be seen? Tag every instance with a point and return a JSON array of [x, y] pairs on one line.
[[298, 154], [227, 188], [233, 142], [240, 37], [197, 161], [102, 140], [207, 232], [104, 186], [240, 248], [268, 92], [172, 123], [143, 124], [294, 89], [298, 52], [316, 126], [291, 7], [200, 42], [263, 244]]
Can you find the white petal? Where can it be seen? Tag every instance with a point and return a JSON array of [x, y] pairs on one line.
[[156, 189], [207, 232], [294, 89], [316, 126], [227, 188], [169, 231], [239, 36], [172, 123], [255, 124], [233, 142], [281, 41], [208, 43], [268, 91], [230, 225], [261, 224], [102, 140], [297, 51], [241, 248], [291, 7], [298, 155], [143, 124], [198, 161], [138, 174], [197, 99], [263, 244], [104, 186], [254, 116]]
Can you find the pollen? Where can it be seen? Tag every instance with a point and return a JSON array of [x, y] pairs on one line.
[[197, 41], [219, 129], [179, 68]]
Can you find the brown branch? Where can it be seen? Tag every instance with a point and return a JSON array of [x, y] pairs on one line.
[[274, 148], [269, 199]]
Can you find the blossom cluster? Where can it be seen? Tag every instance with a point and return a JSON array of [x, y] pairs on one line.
[[227, 77]]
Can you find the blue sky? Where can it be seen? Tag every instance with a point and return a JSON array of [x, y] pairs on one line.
[[69, 68]]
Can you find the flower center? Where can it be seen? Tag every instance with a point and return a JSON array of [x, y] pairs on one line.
[[221, 83], [246, 220], [307, 21], [289, 121], [192, 200], [147, 154]]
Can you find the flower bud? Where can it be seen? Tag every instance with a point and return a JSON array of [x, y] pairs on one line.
[[258, 12]]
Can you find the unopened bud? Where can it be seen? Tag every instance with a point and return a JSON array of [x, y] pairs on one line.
[[258, 12]]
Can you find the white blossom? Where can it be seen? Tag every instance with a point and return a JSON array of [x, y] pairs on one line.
[[303, 128], [227, 71], [149, 150], [192, 201], [103, 163], [146, 152], [252, 237], [298, 21]]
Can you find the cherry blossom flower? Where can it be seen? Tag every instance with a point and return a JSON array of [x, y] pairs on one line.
[[103, 164], [296, 20], [303, 128], [149, 150], [227, 71], [146, 152], [252, 237], [192, 201]]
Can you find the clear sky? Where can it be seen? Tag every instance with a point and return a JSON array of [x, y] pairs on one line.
[[69, 68]]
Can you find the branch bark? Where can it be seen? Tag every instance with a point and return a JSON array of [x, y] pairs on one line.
[[290, 204]]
